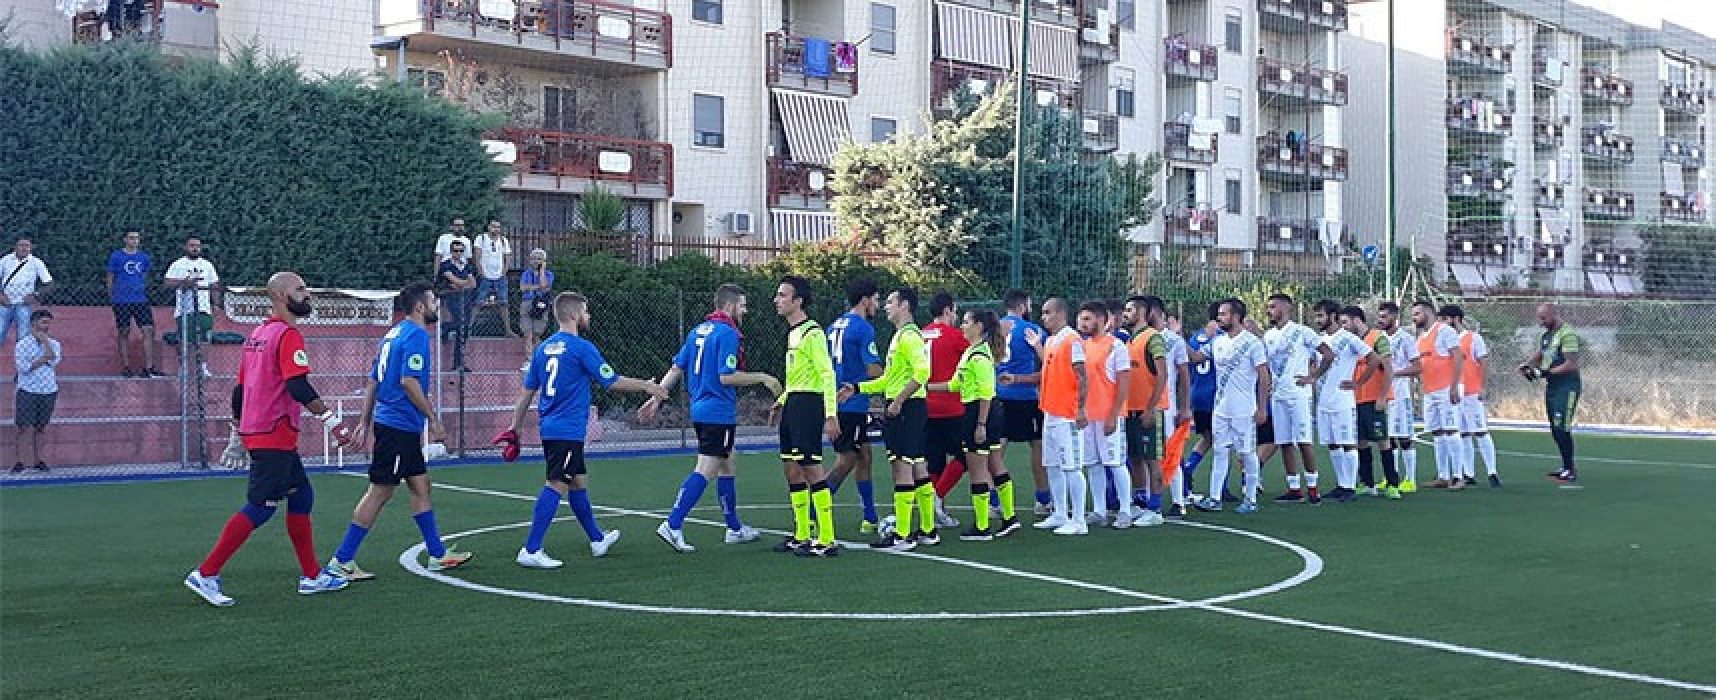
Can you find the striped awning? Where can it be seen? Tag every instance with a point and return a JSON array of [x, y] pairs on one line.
[[788, 227], [969, 35], [815, 125], [1054, 51]]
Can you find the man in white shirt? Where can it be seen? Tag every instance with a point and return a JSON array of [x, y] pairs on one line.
[[197, 291], [1290, 347], [1337, 407], [1242, 388], [492, 250], [444, 244], [1403, 345], [35, 357], [1474, 418], [24, 276]]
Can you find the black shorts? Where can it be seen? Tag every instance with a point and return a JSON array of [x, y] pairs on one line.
[[715, 440], [854, 432], [801, 429], [1024, 420], [398, 455], [943, 438], [991, 430], [33, 410], [565, 459], [903, 434], [1203, 423], [1372, 422], [1266, 432], [128, 313], [1142, 442], [274, 475]]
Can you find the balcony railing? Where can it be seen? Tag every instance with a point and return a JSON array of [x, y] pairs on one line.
[[1609, 205], [1062, 12], [1550, 195], [1687, 153], [792, 65], [1177, 144], [796, 185], [946, 77], [1548, 132], [588, 28], [1303, 15], [1277, 157], [1548, 256], [1600, 85], [1101, 130], [1681, 98], [1481, 243], [1310, 84], [1479, 117], [1478, 183], [576, 160], [1681, 208], [1286, 235], [1606, 145], [1475, 53], [1090, 51], [1188, 59], [149, 22], [1188, 226]]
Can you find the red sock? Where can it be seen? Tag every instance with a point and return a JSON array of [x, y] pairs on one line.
[[237, 530], [950, 476], [303, 542]]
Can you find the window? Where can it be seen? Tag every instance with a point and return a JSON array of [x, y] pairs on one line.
[[433, 82], [1125, 92], [1235, 38], [559, 108], [881, 28], [1234, 192], [882, 129], [1232, 102], [707, 121], [706, 11], [1126, 14]]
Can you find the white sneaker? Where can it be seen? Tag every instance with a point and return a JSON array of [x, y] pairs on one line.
[[325, 582], [1095, 518], [1050, 523], [942, 519], [1122, 521], [600, 547], [742, 535], [537, 560], [207, 588], [1150, 518], [673, 538], [1073, 529], [1043, 509]]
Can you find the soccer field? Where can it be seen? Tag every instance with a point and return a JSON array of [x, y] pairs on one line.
[[1527, 591]]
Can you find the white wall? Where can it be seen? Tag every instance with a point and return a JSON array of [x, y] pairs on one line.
[[327, 36]]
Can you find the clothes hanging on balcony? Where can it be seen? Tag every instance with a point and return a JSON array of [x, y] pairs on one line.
[[1200, 140], [845, 57], [817, 57]]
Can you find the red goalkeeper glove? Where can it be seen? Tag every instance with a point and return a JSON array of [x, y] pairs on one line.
[[508, 441]]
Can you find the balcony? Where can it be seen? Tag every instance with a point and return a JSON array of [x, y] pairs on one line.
[[1190, 227], [1062, 12], [1606, 146], [1299, 161], [1684, 152], [794, 185], [1296, 16], [1609, 205], [1471, 54], [178, 27], [1547, 132], [1095, 46], [1301, 85], [1188, 59], [1548, 72], [818, 69], [1286, 235], [1478, 183], [1101, 130], [1681, 208], [1479, 243], [1682, 99], [947, 77], [1604, 87], [556, 161], [1547, 256], [1177, 144], [1479, 117], [1550, 195], [523, 31]]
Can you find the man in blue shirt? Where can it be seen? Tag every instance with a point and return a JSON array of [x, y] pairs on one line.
[[712, 364], [852, 346], [562, 369], [396, 411], [1016, 377], [127, 269], [1203, 397]]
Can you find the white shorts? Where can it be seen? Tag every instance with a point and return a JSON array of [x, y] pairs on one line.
[[1239, 434], [1400, 412], [1337, 426], [1292, 420], [1103, 448], [1439, 413], [1063, 446], [1474, 416]]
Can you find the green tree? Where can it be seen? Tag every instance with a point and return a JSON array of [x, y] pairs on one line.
[[1678, 260]]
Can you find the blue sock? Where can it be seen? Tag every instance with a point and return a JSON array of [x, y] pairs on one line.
[[727, 489], [1154, 502], [1193, 460], [1043, 497], [431, 534], [994, 498], [1140, 497], [580, 501], [547, 503], [867, 494], [349, 546], [690, 491], [1112, 498]]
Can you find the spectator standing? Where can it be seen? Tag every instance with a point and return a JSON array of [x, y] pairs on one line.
[[127, 279], [24, 277], [454, 283], [444, 244], [36, 356], [536, 285], [197, 287], [492, 250]]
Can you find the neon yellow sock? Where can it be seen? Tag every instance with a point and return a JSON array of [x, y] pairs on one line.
[[980, 508], [824, 504], [800, 512], [926, 508], [904, 495], [1005, 493]]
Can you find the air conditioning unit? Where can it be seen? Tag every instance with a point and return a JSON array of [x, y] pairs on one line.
[[742, 223]]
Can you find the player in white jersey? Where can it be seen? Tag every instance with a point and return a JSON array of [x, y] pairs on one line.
[[1179, 403], [1337, 408], [1291, 346], [1404, 346], [1442, 364], [1242, 387], [1474, 419]]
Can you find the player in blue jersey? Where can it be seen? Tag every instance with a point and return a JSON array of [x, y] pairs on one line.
[[396, 411], [852, 345], [1203, 398], [712, 363], [1016, 377], [562, 370]]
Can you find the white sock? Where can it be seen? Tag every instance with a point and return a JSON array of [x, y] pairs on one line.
[[1218, 466], [1447, 462], [1310, 480], [1468, 457], [1076, 487], [1058, 491], [1487, 444], [1408, 462], [1253, 474], [1097, 476], [1121, 477], [1177, 488], [1339, 465], [1351, 455]]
